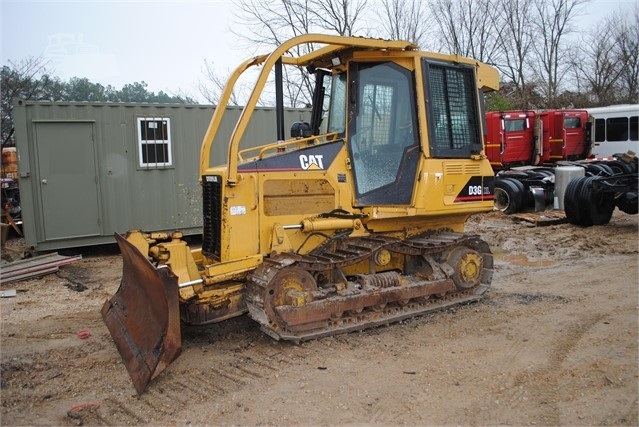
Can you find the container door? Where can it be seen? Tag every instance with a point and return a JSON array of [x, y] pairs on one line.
[[68, 181]]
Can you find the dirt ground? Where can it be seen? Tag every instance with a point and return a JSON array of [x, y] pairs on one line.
[[553, 343]]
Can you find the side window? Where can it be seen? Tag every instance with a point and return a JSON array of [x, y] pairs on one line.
[[600, 130], [337, 107], [617, 129], [454, 117], [154, 142], [634, 128]]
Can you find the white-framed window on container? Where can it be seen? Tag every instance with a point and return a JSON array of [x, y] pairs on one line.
[[154, 142]]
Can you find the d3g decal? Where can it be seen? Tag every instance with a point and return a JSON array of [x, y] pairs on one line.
[[477, 188]]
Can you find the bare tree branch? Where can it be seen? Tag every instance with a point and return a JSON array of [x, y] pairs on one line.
[[468, 28], [516, 40], [626, 34], [552, 21], [406, 20], [268, 24], [596, 64]]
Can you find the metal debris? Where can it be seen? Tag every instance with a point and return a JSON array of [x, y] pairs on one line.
[[34, 267]]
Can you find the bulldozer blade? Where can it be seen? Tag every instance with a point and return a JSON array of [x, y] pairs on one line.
[[143, 316]]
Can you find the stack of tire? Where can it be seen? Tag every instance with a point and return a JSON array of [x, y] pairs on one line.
[[591, 200], [513, 188]]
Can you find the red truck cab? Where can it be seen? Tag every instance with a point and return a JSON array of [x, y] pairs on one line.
[[509, 138], [564, 131]]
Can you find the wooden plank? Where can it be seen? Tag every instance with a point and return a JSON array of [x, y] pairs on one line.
[[541, 218]]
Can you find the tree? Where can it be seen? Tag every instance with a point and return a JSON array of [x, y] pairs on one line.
[[406, 20], [212, 86], [266, 25], [527, 40], [469, 28], [497, 101], [552, 22], [21, 80], [597, 65], [82, 89], [28, 79], [337, 16], [516, 40], [627, 50]]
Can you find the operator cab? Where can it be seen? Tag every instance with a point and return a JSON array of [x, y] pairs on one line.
[[375, 108]]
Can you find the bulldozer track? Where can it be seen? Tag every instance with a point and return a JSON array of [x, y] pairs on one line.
[[381, 298]]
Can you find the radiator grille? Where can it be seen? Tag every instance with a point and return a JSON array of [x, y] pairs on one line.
[[462, 169], [212, 208]]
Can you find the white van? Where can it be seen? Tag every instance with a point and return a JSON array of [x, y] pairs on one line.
[[614, 129]]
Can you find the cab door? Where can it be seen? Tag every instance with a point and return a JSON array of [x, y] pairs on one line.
[[383, 141]]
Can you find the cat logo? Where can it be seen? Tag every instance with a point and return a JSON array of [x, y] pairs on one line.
[[311, 162]]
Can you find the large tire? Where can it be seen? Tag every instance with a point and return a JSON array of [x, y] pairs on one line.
[[509, 195], [571, 201], [545, 173], [620, 167], [598, 169], [596, 206], [526, 197], [607, 169], [602, 205], [583, 201], [628, 203]]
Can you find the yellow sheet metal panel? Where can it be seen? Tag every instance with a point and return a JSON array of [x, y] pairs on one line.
[[298, 196]]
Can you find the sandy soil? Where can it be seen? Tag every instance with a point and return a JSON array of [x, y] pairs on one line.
[[553, 343]]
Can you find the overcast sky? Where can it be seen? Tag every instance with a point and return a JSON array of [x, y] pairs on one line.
[[163, 43]]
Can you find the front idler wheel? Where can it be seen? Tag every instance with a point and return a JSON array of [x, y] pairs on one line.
[[293, 286], [467, 265]]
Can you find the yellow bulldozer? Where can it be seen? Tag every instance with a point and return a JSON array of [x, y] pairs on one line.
[[355, 220]]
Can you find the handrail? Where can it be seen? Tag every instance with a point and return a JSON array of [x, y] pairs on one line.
[[220, 109], [329, 137]]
